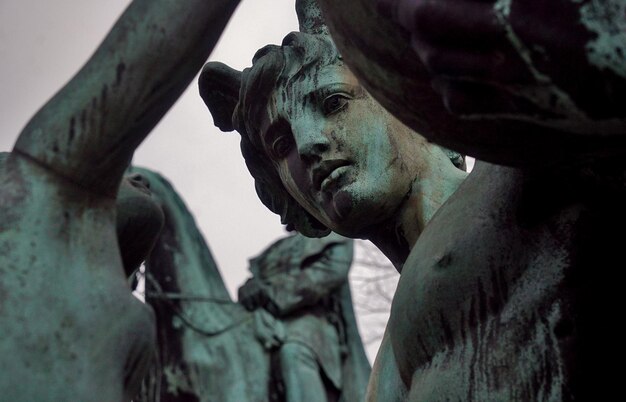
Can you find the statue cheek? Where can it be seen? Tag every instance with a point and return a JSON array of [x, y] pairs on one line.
[[298, 174]]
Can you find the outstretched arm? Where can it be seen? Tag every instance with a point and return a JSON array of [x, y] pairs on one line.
[[89, 130], [560, 63], [533, 84]]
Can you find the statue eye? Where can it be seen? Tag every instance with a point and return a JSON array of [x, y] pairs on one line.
[[334, 103], [281, 146]]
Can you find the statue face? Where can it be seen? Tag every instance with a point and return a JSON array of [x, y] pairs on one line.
[[337, 151]]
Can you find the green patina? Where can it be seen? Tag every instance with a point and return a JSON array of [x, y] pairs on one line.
[[606, 19], [71, 329], [497, 299], [296, 306]]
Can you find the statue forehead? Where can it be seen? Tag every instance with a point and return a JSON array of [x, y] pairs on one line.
[[292, 96]]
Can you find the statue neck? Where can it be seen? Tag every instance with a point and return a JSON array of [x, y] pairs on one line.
[[430, 189]]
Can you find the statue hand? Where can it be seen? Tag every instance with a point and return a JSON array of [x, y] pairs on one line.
[[458, 39], [531, 57], [268, 330], [252, 294]]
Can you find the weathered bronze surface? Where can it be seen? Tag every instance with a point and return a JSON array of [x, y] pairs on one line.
[[501, 295], [70, 328], [300, 285], [296, 332], [207, 349], [523, 82]]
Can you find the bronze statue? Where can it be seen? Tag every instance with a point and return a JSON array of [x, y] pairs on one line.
[[207, 349], [71, 330], [499, 295], [303, 284], [210, 348], [522, 82]]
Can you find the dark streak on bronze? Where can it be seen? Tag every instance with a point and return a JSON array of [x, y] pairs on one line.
[[448, 337], [72, 131], [121, 67]]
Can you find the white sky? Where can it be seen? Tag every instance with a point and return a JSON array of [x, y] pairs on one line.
[[42, 45]]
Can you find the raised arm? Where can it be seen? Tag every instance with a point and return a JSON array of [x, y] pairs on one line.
[[89, 130]]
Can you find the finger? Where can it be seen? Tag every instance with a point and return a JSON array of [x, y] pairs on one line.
[[503, 65], [387, 8], [465, 98], [466, 22]]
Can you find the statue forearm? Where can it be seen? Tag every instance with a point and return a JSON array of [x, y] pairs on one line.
[[564, 107], [89, 130]]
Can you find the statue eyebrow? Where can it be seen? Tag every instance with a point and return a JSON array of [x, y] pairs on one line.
[[317, 94], [314, 93], [329, 88]]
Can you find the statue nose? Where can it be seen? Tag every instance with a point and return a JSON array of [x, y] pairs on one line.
[[312, 145], [313, 152]]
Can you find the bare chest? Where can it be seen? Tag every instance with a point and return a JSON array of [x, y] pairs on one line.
[[482, 310]]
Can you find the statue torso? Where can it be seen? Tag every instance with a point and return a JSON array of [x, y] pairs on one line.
[[63, 292], [493, 299]]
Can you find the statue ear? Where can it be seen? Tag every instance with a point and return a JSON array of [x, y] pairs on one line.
[[219, 88]]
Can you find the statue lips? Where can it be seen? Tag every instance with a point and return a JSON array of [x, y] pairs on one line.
[[323, 171]]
